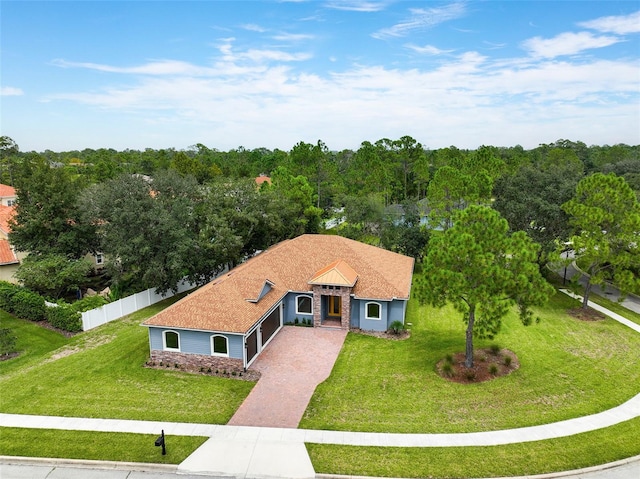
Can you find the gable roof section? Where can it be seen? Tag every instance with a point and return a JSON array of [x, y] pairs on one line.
[[7, 255], [338, 273], [7, 191], [222, 305], [6, 213]]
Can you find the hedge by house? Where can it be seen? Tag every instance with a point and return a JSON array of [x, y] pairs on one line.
[[22, 302], [64, 316]]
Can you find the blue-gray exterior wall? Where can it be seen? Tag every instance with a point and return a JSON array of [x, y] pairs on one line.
[[391, 311], [289, 302], [197, 342]]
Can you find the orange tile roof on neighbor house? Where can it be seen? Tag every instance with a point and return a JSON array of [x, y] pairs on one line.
[[227, 304], [7, 191], [7, 255], [6, 213]]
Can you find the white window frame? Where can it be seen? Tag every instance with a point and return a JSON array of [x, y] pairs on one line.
[[164, 340], [99, 258], [366, 311], [304, 296], [226, 340]]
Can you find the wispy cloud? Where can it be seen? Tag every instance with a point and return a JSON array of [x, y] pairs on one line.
[[158, 67], [511, 101], [292, 37], [620, 25], [11, 91], [421, 19], [253, 28], [568, 43], [357, 5], [427, 49]]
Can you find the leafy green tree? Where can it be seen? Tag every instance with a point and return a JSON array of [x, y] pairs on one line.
[[605, 215], [8, 150], [531, 200], [149, 230], [482, 270], [448, 192], [297, 202], [48, 215], [52, 275]]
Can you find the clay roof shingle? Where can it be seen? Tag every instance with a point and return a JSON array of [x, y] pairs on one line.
[[223, 305]]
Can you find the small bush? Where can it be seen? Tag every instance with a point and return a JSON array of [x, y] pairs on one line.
[[470, 374], [28, 305], [447, 369], [493, 369], [396, 327], [495, 349], [449, 358], [7, 342], [64, 317], [88, 303], [507, 361], [296, 321]]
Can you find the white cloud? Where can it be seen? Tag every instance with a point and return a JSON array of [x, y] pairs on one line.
[[253, 28], [292, 37], [357, 5], [11, 91], [566, 44], [427, 49], [467, 101], [620, 25], [423, 18]]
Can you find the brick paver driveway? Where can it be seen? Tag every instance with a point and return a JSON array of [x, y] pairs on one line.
[[292, 365]]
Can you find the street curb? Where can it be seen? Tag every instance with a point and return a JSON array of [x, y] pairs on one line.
[[84, 463], [551, 475], [608, 283]]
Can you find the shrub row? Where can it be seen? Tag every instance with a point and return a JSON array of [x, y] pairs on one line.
[[22, 302], [26, 304]]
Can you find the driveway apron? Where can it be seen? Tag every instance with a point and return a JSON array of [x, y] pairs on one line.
[[292, 365]]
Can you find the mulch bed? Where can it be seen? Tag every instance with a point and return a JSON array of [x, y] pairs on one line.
[[47, 325], [481, 371], [400, 335], [248, 375], [588, 314], [4, 357]]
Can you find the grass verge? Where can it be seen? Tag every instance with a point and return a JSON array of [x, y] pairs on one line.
[[100, 373], [566, 370], [101, 446], [540, 457]]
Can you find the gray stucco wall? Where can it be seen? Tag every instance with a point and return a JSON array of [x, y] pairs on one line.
[[197, 342]]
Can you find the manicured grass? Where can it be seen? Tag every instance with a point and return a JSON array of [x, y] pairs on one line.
[[615, 307], [103, 446], [573, 452], [100, 373], [568, 369]]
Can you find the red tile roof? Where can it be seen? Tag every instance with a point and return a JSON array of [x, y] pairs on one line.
[[7, 256], [6, 213], [6, 190], [222, 305]]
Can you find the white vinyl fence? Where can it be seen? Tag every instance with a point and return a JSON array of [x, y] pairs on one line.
[[96, 317]]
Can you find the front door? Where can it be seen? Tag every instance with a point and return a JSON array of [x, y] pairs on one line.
[[335, 306]]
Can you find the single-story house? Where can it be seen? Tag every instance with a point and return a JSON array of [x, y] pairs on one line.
[[319, 280]]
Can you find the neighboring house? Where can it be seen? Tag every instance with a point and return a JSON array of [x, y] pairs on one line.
[[263, 179], [8, 195], [323, 280], [9, 259]]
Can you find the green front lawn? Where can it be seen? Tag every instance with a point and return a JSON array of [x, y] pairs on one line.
[[102, 446], [569, 368], [540, 457], [100, 373]]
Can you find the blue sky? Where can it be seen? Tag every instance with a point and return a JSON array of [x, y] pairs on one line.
[[157, 74]]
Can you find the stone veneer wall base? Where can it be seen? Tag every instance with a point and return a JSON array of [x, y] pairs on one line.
[[197, 362]]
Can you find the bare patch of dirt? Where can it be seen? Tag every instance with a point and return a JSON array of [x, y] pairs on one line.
[[588, 314], [487, 365], [400, 335]]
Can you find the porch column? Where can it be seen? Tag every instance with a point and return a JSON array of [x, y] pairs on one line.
[[345, 319], [317, 307]]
